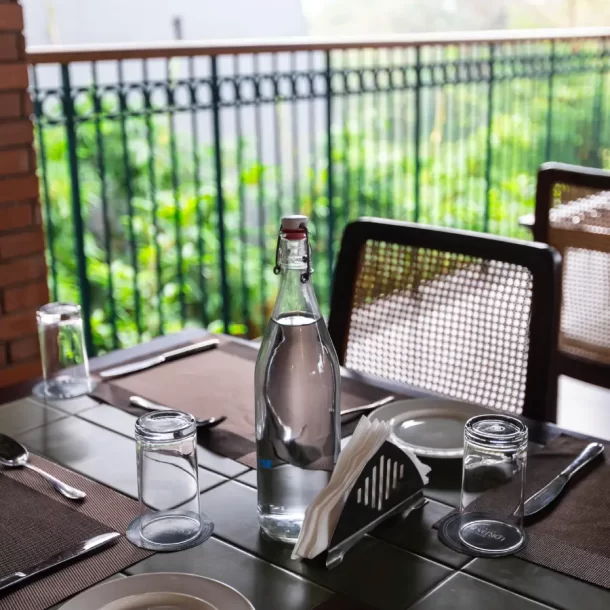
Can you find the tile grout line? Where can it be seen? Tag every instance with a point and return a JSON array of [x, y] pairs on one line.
[[64, 415], [282, 568], [437, 586], [255, 557], [122, 434], [469, 562], [521, 595], [96, 480], [270, 562], [434, 561], [379, 540], [235, 478]]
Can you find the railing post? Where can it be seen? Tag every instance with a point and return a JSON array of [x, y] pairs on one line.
[[417, 135], [549, 112], [152, 188], [133, 245], [224, 286], [488, 144], [176, 191], [598, 109], [329, 177], [101, 163], [77, 218], [44, 180]]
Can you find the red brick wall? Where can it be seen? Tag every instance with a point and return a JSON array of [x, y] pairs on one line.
[[23, 286]]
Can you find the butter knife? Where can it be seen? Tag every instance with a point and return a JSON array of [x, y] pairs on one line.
[[79, 550], [551, 491], [141, 365]]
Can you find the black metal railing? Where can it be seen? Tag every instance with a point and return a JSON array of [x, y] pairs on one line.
[[165, 169]]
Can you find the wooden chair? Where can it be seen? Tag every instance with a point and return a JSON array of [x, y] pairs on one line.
[[464, 315], [573, 216]]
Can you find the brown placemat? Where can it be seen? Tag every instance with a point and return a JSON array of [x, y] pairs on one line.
[[211, 384], [572, 536], [37, 522]]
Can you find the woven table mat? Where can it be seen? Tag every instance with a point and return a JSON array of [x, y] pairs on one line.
[[37, 522], [572, 536], [211, 384]]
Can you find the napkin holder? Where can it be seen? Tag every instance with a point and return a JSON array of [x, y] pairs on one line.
[[388, 485]]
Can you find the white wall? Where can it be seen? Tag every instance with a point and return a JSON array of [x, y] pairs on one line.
[[118, 21], [105, 21]]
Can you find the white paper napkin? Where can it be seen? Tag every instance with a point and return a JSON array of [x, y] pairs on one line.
[[323, 513]]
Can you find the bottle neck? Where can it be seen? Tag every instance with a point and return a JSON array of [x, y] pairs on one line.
[[296, 293]]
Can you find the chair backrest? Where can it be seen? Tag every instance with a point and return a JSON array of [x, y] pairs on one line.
[[573, 216], [465, 315]]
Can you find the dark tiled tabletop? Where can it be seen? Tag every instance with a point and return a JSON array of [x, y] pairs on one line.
[[96, 452], [462, 592], [122, 422], [23, 415], [97, 440]]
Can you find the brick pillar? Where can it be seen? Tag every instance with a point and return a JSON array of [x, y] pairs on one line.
[[23, 286]]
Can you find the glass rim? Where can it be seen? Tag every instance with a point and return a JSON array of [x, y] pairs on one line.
[[53, 313], [165, 426], [490, 438]]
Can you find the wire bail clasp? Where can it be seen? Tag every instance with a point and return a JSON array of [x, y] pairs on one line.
[[277, 269], [307, 258]]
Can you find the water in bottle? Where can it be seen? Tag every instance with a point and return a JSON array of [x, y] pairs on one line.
[[297, 394]]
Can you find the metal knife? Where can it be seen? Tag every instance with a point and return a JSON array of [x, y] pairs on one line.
[[79, 550], [148, 405], [549, 492], [141, 365]]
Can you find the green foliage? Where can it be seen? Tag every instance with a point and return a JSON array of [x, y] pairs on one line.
[[175, 232], [149, 199]]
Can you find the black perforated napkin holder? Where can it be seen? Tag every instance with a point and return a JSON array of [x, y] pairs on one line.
[[388, 485]]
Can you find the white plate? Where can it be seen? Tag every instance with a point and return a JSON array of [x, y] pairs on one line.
[[430, 427], [159, 601], [217, 595]]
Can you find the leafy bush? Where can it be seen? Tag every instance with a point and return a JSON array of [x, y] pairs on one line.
[[161, 213]]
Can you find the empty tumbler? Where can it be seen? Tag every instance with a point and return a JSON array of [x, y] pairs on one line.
[[65, 366], [168, 483], [493, 476]]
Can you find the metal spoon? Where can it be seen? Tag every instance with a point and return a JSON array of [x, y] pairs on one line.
[[14, 455], [149, 405]]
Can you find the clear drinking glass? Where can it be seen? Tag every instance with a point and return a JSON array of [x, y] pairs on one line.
[[493, 476], [168, 483], [65, 366]]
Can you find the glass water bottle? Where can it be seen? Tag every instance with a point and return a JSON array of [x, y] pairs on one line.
[[297, 393]]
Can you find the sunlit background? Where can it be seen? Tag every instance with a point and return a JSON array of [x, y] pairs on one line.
[[81, 21]]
